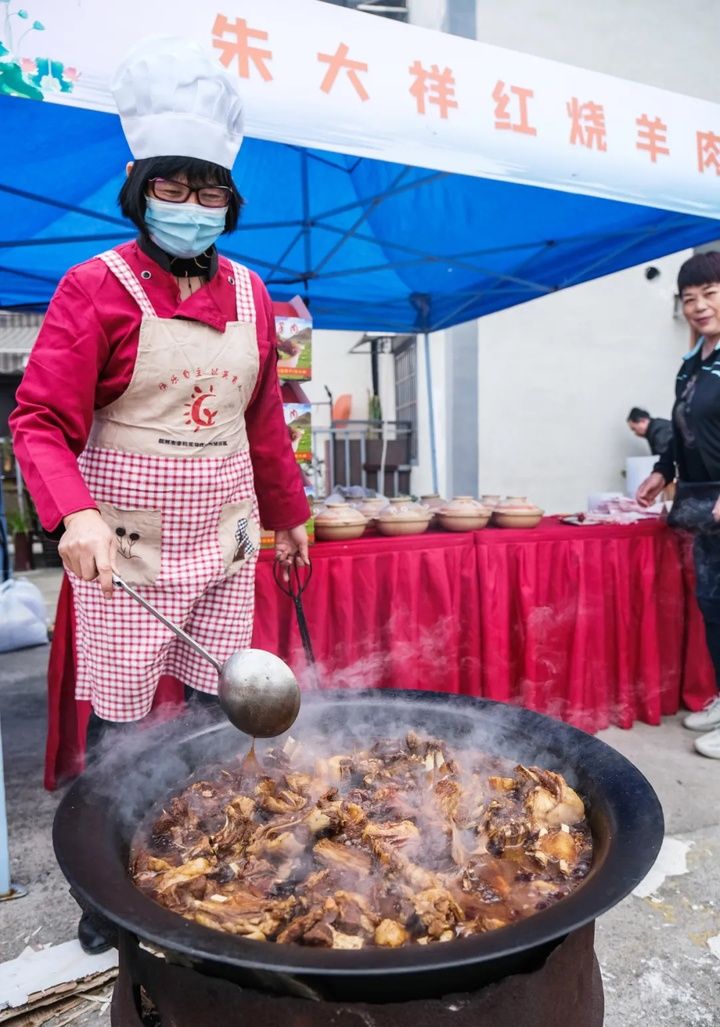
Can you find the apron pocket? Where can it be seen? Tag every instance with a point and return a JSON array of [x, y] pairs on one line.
[[239, 535], [138, 537]]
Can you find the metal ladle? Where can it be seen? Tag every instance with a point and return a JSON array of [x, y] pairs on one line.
[[258, 692]]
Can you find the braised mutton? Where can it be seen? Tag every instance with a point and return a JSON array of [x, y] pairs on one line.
[[404, 842]]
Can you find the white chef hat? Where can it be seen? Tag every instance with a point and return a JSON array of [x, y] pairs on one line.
[[174, 99]]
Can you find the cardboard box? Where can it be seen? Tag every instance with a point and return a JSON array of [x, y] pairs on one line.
[[298, 418], [293, 325]]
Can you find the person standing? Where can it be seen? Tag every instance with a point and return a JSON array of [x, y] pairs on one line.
[[149, 423], [657, 431], [695, 455]]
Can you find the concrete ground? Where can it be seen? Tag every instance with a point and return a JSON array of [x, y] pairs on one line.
[[660, 954]]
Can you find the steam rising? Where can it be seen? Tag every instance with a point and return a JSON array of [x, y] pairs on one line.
[[143, 765], [148, 761]]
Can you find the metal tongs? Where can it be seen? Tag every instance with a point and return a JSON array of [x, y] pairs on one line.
[[258, 692], [293, 581]]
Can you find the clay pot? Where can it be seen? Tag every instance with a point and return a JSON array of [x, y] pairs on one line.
[[403, 517], [339, 522], [433, 502], [490, 501], [463, 513], [516, 512], [370, 508]]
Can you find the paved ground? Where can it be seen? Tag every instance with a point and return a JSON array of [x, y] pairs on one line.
[[660, 954]]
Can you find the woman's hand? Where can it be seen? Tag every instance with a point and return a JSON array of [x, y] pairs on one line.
[[87, 548], [716, 511], [290, 546], [650, 489]]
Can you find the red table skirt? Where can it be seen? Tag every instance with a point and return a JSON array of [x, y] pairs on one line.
[[595, 625]]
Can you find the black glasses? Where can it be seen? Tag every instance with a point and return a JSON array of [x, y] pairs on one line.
[[178, 192]]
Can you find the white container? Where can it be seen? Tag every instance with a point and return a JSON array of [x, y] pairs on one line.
[[597, 501], [637, 468]]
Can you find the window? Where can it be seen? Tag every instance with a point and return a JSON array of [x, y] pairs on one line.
[[404, 349]]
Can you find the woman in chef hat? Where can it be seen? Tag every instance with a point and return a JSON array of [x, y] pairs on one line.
[[149, 424]]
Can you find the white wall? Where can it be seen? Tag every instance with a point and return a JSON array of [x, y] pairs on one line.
[[558, 377], [341, 372], [666, 43]]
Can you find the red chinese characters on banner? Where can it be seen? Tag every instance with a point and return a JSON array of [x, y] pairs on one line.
[[434, 86], [503, 113], [247, 49], [708, 152], [652, 137], [339, 61], [239, 47], [587, 124]]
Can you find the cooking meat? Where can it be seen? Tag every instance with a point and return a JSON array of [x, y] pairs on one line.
[[550, 801], [342, 857], [405, 842], [391, 934]]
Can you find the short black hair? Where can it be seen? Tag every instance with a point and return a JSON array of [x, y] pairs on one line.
[[701, 269], [638, 414], [132, 198]]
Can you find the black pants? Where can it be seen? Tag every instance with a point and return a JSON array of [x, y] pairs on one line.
[[706, 553], [99, 729]]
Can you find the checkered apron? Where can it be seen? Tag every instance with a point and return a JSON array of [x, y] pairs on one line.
[[169, 467]]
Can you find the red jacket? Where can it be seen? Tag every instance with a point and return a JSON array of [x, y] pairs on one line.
[[84, 359]]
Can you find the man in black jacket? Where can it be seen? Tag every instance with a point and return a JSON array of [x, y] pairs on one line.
[[657, 431]]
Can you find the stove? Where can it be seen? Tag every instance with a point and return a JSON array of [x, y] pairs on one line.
[[152, 992]]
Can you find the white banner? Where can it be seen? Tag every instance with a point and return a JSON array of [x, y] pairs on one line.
[[322, 76]]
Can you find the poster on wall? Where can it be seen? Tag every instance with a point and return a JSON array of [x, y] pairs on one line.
[[298, 418], [294, 344]]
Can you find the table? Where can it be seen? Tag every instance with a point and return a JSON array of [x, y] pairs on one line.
[[597, 625]]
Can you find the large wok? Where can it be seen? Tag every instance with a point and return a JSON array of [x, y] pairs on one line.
[[96, 819]]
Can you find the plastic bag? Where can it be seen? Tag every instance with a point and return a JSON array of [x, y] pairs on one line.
[[23, 619]]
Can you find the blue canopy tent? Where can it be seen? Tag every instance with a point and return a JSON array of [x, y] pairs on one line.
[[370, 245]]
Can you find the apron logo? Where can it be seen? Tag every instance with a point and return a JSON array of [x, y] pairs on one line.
[[197, 413]]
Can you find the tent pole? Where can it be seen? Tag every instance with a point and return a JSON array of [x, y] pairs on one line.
[[431, 414]]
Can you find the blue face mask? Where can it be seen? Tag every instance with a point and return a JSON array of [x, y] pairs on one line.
[[183, 229]]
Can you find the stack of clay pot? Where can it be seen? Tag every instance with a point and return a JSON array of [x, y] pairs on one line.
[[516, 512], [463, 513], [403, 517]]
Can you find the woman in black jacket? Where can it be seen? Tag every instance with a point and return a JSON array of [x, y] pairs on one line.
[[695, 457]]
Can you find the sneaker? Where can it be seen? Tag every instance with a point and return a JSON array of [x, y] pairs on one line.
[[706, 719], [709, 744]]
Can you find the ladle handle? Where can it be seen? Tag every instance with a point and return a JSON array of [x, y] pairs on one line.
[[168, 623]]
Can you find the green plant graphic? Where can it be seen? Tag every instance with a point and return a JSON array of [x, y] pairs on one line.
[[32, 79]]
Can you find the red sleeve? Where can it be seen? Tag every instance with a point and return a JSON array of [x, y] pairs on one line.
[[55, 403], [278, 482]]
